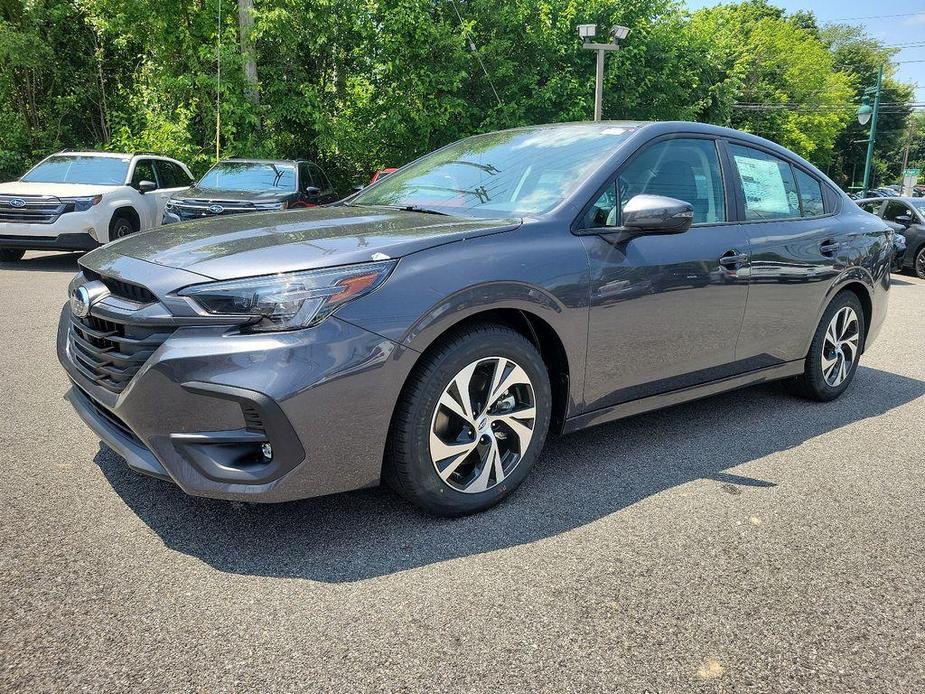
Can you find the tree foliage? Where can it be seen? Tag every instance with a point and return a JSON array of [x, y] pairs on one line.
[[360, 84]]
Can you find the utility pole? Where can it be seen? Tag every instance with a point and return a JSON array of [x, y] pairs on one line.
[[245, 35], [865, 114], [588, 31]]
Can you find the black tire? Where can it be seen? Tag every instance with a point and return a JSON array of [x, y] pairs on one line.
[[11, 255], [120, 227], [410, 469], [813, 384], [918, 264]]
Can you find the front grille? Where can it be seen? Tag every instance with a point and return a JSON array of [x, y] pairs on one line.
[[123, 289], [197, 209], [110, 353], [30, 209]]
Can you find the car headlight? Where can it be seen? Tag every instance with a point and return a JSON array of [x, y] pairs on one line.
[[83, 204], [292, 300]]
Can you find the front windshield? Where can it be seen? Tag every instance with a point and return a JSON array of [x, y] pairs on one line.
[[250, 177], [511, 173], [100, 171]]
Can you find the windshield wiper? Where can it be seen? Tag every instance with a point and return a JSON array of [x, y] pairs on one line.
[[422, 210]]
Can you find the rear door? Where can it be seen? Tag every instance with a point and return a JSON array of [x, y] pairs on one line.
[[798, 247], [665, 308]]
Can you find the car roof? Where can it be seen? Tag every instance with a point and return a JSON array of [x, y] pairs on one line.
[[287, 162], [891, 198]]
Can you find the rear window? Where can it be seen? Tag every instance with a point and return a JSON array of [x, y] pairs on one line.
[[100, 171], [767, 183]]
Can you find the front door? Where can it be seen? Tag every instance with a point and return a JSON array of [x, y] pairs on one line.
[[666, 309]]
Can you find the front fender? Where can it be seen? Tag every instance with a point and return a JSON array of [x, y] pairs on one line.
[[537, 269]]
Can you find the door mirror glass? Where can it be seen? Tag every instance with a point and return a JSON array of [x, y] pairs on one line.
[[657, 214], [146, 187]]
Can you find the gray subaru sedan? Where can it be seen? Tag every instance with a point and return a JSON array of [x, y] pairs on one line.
[[433, 329]]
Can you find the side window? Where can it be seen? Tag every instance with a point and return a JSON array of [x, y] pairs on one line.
[[810, 194], [895, 209], [169, 174], [305, 177], [767, 184], [320, 179], [872, 207], [683, 168], [144, 171], [603, 212]]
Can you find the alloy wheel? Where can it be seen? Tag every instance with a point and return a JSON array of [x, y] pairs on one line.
[[840, 347], [920, 264], [482, 424]]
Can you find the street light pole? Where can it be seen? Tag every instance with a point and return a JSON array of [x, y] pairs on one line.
[[865, 112], [617, 33], [599, 86]]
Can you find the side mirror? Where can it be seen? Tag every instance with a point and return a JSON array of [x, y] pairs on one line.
[[357, 188], [904, 219], [312, 193], [146, 187], [657, 214]]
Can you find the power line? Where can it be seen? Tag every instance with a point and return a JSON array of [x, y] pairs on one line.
[[875, 16]]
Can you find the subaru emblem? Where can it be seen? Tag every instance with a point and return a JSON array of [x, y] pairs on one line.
[[80, 302], [17, 202], [216, 209]]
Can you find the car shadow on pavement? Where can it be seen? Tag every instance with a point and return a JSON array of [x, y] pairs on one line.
[[57, 262], [579, 479]]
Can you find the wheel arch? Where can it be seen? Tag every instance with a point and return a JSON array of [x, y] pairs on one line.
[[128, 212], [538, 331]]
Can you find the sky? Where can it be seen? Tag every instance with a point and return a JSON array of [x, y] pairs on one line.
[[879, 20]]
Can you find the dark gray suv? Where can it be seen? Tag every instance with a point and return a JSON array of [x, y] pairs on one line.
[[434, 328]]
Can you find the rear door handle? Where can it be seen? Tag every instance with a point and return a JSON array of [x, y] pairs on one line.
[[733, 258], [829, 247]]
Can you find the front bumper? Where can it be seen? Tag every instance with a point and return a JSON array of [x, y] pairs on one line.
[[62, 242], [199, 409]]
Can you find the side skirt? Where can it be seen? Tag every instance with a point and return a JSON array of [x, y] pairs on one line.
[[676, 397]]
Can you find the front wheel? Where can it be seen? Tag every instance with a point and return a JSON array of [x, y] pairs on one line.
[[835, 351], [120, 227], [471, 422], [11, 255]]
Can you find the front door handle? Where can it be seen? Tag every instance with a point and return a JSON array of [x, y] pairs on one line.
[[733, 258], [829, 247]]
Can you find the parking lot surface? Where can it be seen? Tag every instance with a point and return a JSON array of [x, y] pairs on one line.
[[749, 542]]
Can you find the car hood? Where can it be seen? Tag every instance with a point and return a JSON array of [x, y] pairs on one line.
[[57, 189], [197, 193], [264, 243]]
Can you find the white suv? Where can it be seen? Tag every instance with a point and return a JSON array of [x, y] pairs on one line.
[[75, 201]]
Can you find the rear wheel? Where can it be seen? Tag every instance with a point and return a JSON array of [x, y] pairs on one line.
[[835, 351], [11, 255], [918, 265], [120, 227], [471, 422]]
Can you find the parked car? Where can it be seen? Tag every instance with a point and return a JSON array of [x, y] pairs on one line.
[[381, 173], [75, 201], [907, 217], [234, 186], [435, 328], [885, 192]]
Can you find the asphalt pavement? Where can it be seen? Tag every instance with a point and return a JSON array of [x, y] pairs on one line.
[[751, 542]]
